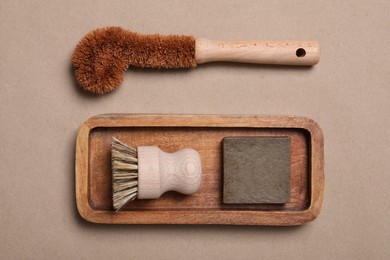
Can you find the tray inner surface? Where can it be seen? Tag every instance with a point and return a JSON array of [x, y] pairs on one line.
[[208, 142]]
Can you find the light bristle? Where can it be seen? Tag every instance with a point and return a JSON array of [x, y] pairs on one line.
[[124, 164]]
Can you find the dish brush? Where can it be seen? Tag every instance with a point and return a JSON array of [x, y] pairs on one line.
[[146, 172], [103, 55]]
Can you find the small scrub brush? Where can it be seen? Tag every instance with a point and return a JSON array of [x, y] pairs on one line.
[[146, 172], [103, 55]]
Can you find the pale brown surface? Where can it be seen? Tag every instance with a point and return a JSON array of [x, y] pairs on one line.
[[203, 133], [347, 93], [280, 52]]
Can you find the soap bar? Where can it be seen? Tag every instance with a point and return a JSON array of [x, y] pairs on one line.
[[256, 169]]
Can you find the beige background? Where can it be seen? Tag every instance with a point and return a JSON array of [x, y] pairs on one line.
[[347, 93]]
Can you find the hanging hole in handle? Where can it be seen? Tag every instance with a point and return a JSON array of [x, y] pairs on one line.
[[300, 53]]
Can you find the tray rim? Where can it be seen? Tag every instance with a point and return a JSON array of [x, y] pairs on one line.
[[231, 217]]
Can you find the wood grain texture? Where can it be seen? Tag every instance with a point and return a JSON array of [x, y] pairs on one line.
[[159, 172], [261, 52], [203, 133]]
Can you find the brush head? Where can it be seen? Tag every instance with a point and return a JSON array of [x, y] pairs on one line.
[[103, 55], [124, 173]]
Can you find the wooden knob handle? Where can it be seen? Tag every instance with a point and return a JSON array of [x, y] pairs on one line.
[[261, 52], [159, 171]]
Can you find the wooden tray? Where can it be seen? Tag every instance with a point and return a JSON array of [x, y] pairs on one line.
[[203, 133]]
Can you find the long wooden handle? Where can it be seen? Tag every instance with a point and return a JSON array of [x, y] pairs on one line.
[[159, 171], [261, 52]]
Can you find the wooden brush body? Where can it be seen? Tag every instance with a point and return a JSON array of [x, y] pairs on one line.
[[159, 172]]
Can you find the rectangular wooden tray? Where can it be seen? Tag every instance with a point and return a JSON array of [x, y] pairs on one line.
[[203, 133]]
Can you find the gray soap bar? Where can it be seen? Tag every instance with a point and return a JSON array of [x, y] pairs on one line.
[[256, 169]]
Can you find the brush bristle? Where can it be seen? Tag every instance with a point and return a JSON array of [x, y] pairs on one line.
[[103, 55], [124, 173]]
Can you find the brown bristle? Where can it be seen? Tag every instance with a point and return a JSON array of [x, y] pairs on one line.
[[103, 55]]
